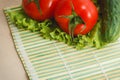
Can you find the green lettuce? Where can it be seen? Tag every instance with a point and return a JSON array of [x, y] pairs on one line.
[[48, 29]]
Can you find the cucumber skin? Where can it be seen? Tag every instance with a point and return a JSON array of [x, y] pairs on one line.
[[110, 10]]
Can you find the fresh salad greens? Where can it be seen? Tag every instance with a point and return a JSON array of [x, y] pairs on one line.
[[48, 29]]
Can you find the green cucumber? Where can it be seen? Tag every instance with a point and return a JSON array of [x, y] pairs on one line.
[[110, 12]]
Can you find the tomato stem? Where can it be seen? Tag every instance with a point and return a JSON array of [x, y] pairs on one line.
[[74, 21], [37, 4]]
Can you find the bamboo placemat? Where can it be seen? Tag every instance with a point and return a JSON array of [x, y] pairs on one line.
[[51, 60]]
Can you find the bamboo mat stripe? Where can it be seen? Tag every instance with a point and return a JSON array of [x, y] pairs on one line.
[[23, 54], [51, 60]]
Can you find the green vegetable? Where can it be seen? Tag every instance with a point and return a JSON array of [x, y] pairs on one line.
[[48, 29], [110, 10]]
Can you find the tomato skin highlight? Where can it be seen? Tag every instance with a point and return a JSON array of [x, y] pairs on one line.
[[47, 9], [85, 9]]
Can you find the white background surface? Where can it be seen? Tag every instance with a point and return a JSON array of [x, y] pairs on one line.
[[11, 67]]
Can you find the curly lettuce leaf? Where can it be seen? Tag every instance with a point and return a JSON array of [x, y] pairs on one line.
[[49, 30]]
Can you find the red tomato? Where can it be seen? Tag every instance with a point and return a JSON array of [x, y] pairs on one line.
[[84, 9], [46, 6]]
